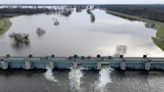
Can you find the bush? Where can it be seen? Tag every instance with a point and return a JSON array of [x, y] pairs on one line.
[[20, 38]]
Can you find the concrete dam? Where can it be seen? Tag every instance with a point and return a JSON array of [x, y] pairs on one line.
[[87, 63]]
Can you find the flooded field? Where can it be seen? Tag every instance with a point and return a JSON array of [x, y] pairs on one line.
[[80, 33]]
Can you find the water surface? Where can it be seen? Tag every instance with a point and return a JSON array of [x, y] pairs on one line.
[[106, 80], [78, 34]]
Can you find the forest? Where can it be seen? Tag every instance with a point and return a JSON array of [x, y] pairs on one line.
[[154, 12]]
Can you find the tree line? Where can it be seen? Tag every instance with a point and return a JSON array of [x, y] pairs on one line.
[[154, 12]]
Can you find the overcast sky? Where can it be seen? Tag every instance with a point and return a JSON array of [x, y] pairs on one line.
[[82, 1]]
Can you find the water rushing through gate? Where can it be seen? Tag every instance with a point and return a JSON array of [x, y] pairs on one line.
[[77, 35], [49, 75], [75, 76], [76, 79], [104, 79]]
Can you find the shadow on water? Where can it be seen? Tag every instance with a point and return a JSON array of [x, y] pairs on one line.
[[20, 72]]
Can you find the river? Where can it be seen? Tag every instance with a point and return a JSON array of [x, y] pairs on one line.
[[80, 34]]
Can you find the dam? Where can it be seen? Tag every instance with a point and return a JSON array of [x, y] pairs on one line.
[[87, 63]]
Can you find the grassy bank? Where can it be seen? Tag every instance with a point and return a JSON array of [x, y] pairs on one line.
[[5, 24], [159, 39]]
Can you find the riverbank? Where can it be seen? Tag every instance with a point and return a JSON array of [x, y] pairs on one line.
[[5, 24], [159, 39]]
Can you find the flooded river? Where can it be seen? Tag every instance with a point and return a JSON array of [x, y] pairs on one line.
[[82, 34], [106, 80]]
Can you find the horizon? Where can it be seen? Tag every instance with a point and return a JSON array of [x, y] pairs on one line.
[[82, 2], [72, 4]]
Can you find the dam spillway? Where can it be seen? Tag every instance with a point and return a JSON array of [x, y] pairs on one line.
[[88, 63]]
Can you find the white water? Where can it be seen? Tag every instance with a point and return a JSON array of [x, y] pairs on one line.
[[104, 79], [75, 76], [49, 75]]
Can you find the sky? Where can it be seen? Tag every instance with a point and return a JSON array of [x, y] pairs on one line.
[[81, 1]]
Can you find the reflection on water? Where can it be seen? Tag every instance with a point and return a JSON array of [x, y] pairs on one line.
[[18, 47], [75, 76]]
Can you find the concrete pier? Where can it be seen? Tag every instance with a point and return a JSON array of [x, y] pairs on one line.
[[98, 65], [94, 63], [75, 65], [27, 64], [123, 65], [4, 65]]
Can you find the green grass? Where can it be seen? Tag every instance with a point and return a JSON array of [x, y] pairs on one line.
[[158, 42], [5, 24], [159, 26]]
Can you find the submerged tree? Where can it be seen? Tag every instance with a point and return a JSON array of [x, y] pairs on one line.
[[66, 12], [40, 31], [92, 16], [56, 22], [20, 38], [120, 50], [149, 25]]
